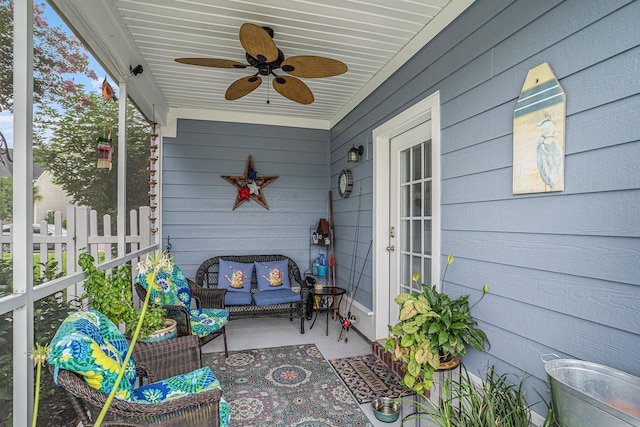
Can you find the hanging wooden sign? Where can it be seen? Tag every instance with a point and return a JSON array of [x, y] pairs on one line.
[[538, 134]]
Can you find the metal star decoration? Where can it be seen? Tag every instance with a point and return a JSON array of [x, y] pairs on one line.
[[250, 183]]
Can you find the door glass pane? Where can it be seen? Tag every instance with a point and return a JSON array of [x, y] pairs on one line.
[[416, 236], [405, 166], [426, 270], [405, 239], [416, 268], [416, 198], [427, 160], [405, 274], [427, 198], [405, 200], [426, 231], [417, 162]]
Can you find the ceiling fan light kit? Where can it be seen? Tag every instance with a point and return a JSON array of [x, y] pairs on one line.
[[263, 54]]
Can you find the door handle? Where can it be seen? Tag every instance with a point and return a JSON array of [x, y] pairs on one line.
[[391, 248]]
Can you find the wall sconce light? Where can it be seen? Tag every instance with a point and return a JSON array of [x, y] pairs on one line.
[[353, 156]]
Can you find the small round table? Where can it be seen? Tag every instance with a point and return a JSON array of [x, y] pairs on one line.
[[327, 291]]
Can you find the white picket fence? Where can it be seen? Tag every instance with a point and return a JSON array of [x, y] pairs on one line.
[[81, 234]]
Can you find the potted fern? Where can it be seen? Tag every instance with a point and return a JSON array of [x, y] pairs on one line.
[[433, 330]]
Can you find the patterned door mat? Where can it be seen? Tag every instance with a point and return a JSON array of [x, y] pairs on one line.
[[367, 378]]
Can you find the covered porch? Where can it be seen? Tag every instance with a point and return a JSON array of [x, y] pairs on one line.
[[561, 266]]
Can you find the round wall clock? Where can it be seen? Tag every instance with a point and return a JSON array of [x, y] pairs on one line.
[[345, 183]]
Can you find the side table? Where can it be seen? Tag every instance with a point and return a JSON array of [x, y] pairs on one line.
[[326, 292]]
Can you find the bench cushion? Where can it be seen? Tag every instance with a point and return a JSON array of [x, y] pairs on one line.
[[237, 298], [272, 275], [281, 296]]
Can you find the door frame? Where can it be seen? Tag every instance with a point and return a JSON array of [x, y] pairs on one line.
[[427, 109]]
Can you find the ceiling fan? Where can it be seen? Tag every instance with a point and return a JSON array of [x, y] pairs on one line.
[[264, 55]]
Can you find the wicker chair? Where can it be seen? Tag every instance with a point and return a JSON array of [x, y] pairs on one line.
[[204, 299], [154, 362]]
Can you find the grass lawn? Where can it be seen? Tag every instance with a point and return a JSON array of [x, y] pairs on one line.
[[50, 256]]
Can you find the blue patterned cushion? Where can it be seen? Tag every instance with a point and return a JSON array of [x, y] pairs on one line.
[[175, 288], [272, 275], [205, 321], [181, 385], [281, 296], [88, 343], [235, 276], [237, 298]]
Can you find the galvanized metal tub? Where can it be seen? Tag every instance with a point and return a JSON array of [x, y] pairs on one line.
[[586, 394]]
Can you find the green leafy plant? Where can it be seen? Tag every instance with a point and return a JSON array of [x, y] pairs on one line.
[[432, 328], [112, 295], [48, 313], [495, 401]]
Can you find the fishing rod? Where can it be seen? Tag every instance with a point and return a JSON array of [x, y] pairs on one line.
[[349, 320]]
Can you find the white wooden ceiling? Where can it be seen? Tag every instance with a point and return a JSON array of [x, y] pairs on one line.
[[373, 37]]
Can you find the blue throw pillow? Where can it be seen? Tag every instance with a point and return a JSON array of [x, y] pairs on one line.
[[272, 275], [235, 276]]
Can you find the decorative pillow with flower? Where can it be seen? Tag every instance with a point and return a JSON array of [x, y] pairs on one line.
[[273, 275], [235, 276]]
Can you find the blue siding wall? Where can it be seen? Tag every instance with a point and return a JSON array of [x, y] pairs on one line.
[[563, 268], [197, 203]]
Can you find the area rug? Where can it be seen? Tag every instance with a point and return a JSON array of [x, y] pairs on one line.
[[284, 386], [367, 378]]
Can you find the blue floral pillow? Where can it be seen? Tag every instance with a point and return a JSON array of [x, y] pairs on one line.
[[90, 344], [235, 276], [272, 275], [174, 287]]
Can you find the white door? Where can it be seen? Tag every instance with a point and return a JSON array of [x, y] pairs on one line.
[[406, 188], [411, 212]]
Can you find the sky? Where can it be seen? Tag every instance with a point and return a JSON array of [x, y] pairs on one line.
[[6, 117]]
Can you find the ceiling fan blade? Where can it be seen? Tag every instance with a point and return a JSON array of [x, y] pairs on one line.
[[242, 87], [313, 66], [212, 62], [258, 43], [294, 89]]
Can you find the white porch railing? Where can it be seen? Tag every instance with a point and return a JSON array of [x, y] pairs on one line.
[[81, 234]]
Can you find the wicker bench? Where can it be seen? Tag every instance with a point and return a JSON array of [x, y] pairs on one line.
[[207, 276]]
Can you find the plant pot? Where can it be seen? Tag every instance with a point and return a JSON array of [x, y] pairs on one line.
[[448, 362], [169, 331]]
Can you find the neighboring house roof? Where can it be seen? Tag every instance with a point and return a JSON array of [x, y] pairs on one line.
[[6, 168]]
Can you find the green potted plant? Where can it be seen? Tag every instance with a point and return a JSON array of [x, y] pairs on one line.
[[111, 295], [492, 401], [432, 329]]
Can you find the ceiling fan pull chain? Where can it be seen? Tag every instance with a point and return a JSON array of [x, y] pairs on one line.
[[268, 88]]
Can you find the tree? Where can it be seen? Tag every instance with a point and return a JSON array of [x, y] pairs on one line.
[[6, 198], [55, 53], [66, 143]]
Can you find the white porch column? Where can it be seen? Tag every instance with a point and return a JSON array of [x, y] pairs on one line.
[[122, 170], [23, 210]]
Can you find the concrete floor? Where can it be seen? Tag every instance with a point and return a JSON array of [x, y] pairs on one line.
[[245, 334]]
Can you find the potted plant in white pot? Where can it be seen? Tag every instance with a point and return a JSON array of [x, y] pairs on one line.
[[433, 329]]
